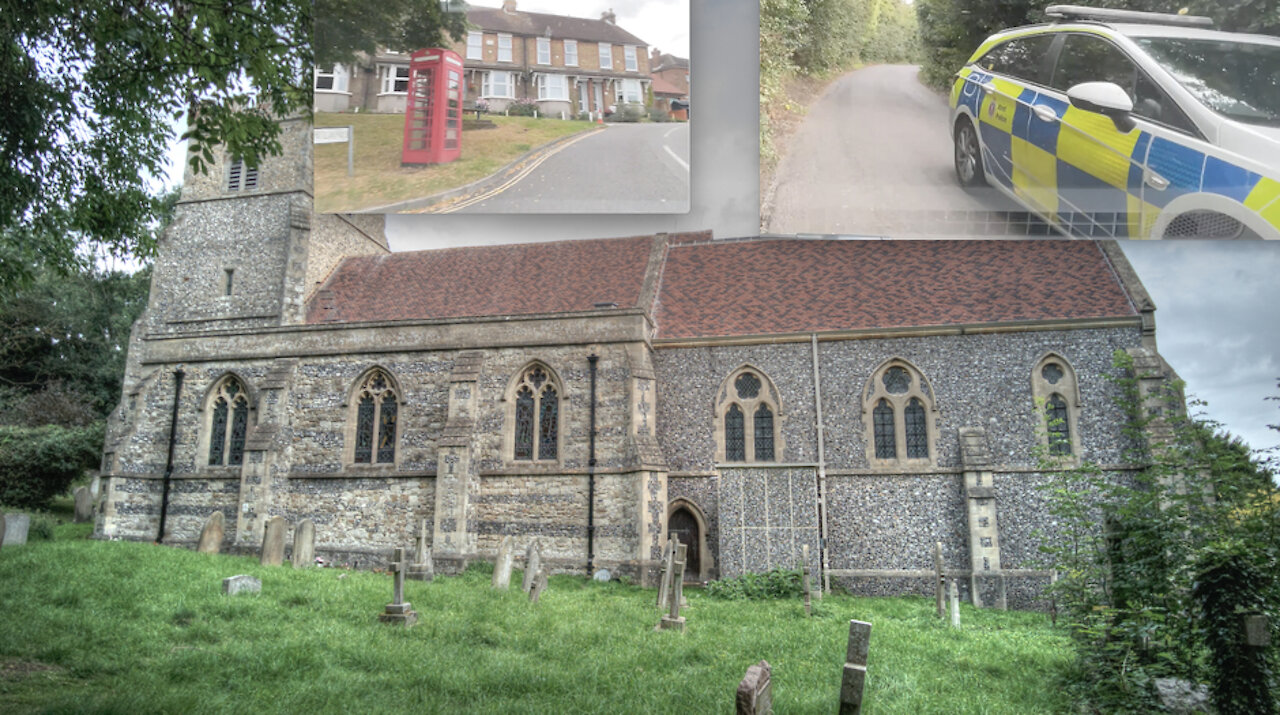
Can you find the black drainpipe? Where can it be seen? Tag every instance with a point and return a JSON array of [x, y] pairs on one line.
[[591, 471], [168, 467]]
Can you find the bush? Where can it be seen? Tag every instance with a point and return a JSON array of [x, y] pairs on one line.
[[39, 463], [628, 113], [659, 115], [778, 583], [522, 108]]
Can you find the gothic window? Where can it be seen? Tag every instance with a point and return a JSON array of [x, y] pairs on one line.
[[747, 393], [1057, 400], [536, 416], [377, 409], [228, 422], [899, 416]]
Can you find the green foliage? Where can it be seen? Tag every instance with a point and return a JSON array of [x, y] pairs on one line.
[[346, 27], [39, 463], [778, 583], [659, 115], [522, 108], [628, 113], [41, 528], [1230, 584]]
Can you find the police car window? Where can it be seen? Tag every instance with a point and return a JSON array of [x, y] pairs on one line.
[[1236, 79], [1151, 102], [1021, 58], [1088, 58]]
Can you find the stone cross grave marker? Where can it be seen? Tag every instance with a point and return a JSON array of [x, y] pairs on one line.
[[211, 534], [675, 621], [664, 583], [304, 545], [755, 692], [939, 581], [399, 612], [502, 567], [539, 585], [423, 568], [855, 668], [955, 604], [804, 570], [16, 525], [532, 564], [241, 583], [273, 541], [83, 505]]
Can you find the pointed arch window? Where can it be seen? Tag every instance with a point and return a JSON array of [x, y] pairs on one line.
[[228, 423], [1057, 399], [377, 411], [537, 416], [899, 415], [747, 393]]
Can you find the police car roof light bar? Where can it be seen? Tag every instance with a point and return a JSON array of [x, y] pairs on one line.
[[1099, 14]]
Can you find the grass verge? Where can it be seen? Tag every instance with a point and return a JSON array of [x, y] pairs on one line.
[[379, 179]]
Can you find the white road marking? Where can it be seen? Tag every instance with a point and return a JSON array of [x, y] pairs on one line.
[[669, 132], [679, 161], [523, 173]]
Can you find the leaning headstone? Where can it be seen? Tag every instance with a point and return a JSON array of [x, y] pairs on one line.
[[95, 487], [502, 567], [399, 612], [602, 575], [532, 562], [84, 505], [939, 581], [241, 583], [273, 541], [955, 605], [664, 584], [16, 525], [211, 534], [304, 544], [755, 692], [422, 568], [855, 668], [675, 621], [539, 585], [804, 569]]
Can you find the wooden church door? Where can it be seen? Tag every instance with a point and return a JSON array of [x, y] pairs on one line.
[[683, 526]]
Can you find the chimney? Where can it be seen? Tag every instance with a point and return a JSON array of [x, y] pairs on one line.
[[509, 6], [609, 17], [654, 56]]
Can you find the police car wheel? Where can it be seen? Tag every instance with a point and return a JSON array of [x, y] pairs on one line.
[[968, 155]]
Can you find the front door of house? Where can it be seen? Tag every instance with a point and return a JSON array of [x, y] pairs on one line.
[[599, 96], [683, 526]]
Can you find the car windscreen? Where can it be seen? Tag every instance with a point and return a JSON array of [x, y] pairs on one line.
[[1239, 80]]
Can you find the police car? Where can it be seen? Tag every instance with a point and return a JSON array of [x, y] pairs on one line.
[[1126, 124]]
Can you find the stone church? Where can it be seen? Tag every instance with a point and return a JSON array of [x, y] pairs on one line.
[[868, 399]]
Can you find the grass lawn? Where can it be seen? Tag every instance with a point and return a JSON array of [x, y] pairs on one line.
[[90, 626], [379, 179]]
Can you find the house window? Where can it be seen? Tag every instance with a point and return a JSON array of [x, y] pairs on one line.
[[1057, 398], [899, 416], [395, 78], [241, 176], [553, 86], [504, 48], [376, 408], [535, 415], [496, 84], [544, 50], [331, 79], [606, 56], [570, 53], [629, 52], [629, 92], [228, 422], [475, 45], [747, 418]]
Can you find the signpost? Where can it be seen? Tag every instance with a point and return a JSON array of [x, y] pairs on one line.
[[338, 135]]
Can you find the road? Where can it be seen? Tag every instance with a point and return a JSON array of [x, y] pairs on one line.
[[626, 168], [874, 157]]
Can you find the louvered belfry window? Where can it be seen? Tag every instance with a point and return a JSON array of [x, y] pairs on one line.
[[241, 177], [377, 409], [537, 416], [228, 423]]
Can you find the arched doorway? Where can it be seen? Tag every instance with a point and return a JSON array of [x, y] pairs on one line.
[[683, 525]]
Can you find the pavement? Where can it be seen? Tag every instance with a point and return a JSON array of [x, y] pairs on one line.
[[873, 157]]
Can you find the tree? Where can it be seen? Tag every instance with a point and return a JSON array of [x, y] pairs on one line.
[[345, 28]]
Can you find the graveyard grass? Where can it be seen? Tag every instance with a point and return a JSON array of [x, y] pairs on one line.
[[89, 626], [379, 179]]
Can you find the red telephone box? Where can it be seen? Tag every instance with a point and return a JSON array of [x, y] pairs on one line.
[[433, 110]]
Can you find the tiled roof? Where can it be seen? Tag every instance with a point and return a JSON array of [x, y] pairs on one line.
[[666, 61], [661, 86], [560, 26], [776, 286], [478, 281]]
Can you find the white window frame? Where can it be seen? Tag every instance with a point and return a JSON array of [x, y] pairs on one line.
[[625, 96], [504, 53], [606, 50], [475, 45], [570, 53], [547, 82], [629, 55], [338, 77], [544, 50], [388, 75], [487, 85]]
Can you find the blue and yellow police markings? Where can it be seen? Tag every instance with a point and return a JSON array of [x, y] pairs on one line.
[[1265, 200]]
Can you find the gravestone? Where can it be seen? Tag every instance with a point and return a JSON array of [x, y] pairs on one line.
[[939, 581], [304, 544], [399, 612], [241, 583], [95, 487], [532, 565], [16, 525], [755, 692], [539, 585], [955, 605], [1, 531], [83, 505], [675, 621], [502, 566], [664, 583], [855, 668], [211, 534], [423, 568], [273, 541], [804, 570], [1257, 634]]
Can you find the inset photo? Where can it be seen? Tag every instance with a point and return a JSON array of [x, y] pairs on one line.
[[535, 106], [948, 118]]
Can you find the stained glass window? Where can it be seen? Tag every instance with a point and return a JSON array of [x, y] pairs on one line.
[[1059, 429], [228, 423], [387, 431], [1052, 372], [764, 434], [524, 424], [548, 412], [735, 444], [747, 385], [377, 409], [218, 431], [537, 416], [882, 419], [364, 430], [897, 380], [917, 433], [239, 426]]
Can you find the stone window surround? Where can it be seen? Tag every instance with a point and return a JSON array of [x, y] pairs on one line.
[[705, 557], [1069, 388], [874, 390], [351, 406], [727, 396], [205, 413], [509, 417]]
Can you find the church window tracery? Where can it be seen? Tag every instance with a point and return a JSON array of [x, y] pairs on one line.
[[228, 422], [747, 392], [536, 416], [899, 415], [377, 411], [1057, 398]]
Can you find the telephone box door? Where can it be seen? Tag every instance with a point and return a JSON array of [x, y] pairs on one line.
[[433, 108]]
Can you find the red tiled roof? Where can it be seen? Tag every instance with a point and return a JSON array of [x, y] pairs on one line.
[[773, 286], [662, 86], [478, 281], [560, 26]]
